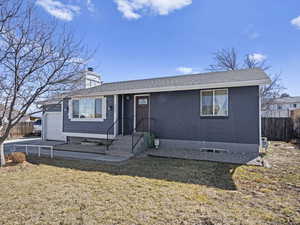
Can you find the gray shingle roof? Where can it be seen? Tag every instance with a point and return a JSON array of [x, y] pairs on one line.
[[182, 82]]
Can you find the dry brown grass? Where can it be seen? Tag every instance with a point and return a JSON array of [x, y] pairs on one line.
[[153, 191]]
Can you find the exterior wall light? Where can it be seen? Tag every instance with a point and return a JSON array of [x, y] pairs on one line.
[[156, 143]]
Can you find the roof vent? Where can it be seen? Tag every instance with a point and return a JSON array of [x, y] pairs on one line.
[[90, 69]]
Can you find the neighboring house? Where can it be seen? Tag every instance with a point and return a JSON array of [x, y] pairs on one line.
[[22, 128], [282, 107], [25, 118], [220, 109]]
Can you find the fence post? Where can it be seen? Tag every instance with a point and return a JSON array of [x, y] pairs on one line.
[[26, 150], [39, 151], [51, 148]]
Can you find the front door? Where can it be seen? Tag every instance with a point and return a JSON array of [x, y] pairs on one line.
[[142, 113]]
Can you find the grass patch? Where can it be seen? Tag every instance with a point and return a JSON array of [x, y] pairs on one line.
[[152, 191]]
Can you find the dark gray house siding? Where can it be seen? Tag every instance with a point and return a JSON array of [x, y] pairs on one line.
[[177, 116], [128, 113], [95, 127], [52, 108]]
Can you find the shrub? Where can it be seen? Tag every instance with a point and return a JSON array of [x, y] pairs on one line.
[[18, 157], [7, 158]]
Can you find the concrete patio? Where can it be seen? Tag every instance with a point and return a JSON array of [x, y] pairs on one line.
[[193, 154], [60, 152]]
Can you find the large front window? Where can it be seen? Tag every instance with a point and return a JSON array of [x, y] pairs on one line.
[[87, 108], [214, 102]]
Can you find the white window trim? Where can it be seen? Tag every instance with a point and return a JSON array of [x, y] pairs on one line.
[[88, 119], [213, 91]]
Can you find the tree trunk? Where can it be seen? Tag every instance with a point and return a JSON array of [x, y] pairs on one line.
[[2, 154]]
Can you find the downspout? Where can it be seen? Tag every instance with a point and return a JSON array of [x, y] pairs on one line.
[[260, 134]]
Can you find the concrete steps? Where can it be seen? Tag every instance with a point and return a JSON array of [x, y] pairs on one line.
[[122, 146]]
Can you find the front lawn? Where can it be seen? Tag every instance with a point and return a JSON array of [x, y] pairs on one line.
[[152, 191]]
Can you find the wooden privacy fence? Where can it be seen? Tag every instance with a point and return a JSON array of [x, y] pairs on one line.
[[21, 129], [278, 129]]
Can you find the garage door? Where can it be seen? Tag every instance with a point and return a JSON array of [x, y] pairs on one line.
[[53, 126]]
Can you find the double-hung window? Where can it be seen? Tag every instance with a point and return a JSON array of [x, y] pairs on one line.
[[214, 102], [88, 109]]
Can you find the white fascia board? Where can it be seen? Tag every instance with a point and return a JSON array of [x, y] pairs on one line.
[[183, 88]]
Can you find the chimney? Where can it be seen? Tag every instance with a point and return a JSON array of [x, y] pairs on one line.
[[91, 78]]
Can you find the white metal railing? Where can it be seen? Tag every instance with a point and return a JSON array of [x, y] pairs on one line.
[[39, 149]]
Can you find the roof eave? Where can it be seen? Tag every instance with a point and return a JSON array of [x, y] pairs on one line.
[[180, 88]]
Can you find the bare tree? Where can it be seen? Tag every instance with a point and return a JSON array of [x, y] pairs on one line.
[[8, 10], [250, 63], [36, 59], [284, 95], [226, 60]]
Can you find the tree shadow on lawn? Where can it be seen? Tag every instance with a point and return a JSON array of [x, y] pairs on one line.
[[213, 174]]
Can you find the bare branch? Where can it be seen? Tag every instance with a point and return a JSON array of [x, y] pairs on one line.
[[225, 59], [251, 63], [36, 60]]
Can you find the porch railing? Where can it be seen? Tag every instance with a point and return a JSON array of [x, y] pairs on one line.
[[140, 125], [136, 136], [108, 140], [34, 146]]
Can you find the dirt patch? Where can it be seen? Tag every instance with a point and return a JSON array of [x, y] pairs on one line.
[[14, 167]]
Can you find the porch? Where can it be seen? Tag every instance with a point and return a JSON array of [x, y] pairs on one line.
[[118, 152]]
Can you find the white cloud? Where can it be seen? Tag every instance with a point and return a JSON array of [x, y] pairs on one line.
[[132, 9], [257, 57], [127, 10], [90, 5], [251, 33], [296, 22], [58, 9], [184, 70]]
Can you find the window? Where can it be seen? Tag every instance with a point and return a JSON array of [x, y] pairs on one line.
[[295, 105], [38, 122], [87, 108], [143, 101], [279, 107], [214, 102]]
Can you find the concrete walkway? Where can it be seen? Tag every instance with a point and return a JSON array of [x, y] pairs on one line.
[[8, 148]]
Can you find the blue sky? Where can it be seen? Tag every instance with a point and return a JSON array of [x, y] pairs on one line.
[[149, 38]]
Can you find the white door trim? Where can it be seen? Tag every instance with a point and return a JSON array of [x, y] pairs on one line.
[[116, 115], [134, 109]]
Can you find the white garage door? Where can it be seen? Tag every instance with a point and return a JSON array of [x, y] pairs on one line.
[[53, 126]]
